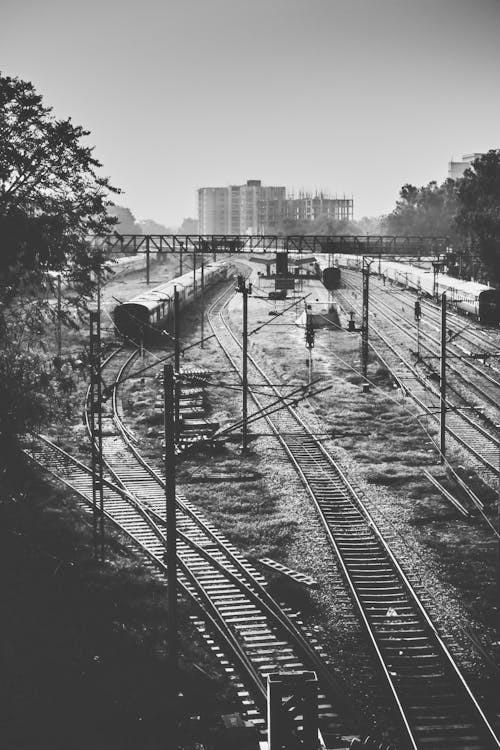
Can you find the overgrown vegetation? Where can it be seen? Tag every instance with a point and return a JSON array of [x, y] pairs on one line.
[[83, 643], [51, 198]]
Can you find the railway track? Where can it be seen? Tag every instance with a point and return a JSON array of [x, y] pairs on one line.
[[466, 375], [254, 635], [435, 705], [480, 441]]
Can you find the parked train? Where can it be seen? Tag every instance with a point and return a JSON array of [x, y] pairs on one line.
[[329, 275], [141, 318], [479, 300]]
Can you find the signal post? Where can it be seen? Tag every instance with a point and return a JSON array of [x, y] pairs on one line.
[[245, 288]]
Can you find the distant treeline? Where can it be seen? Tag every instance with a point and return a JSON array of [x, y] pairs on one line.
[[128, 224], [466, 210]]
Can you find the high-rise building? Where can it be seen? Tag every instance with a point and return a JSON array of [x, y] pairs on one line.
[[456, 169], [213, 210], [241, 209]]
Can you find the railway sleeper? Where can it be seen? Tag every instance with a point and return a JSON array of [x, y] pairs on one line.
[[434, 741], [371, 578], [281, 647], [405, 623], [230, 599], [431, 720], [377, 608], [373, 588], [235, 608], [252, 629], [263, 639], [423, 651], [359, 565], [360, 560], [354, 538], [396, 638], [370, 569], [238, 620], [355, 532]]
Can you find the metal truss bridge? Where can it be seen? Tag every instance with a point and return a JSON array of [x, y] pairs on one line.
[[414, 247]]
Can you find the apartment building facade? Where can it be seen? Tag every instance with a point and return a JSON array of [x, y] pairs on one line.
[[241, 209], [456, 169]]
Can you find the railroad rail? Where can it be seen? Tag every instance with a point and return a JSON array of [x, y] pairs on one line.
[[480, 440], [436, 707], [255, 636]]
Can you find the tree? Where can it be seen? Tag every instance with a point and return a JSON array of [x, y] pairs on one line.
[[51, 199], [150, 226], [189, 226], [424, 211], [478, 215], [125, 220], [323, 225]]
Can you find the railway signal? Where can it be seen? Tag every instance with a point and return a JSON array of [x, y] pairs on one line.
[[364, 324], [418, 310], [309, 331], [418, 315], [309, 341]]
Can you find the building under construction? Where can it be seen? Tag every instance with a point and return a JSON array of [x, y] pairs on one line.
[[308, 207]]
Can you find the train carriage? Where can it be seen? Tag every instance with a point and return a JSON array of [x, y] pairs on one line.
[[477, 300], [143, 317], [329, 275]]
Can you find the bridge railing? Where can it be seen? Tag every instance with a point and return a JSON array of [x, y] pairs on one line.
[[242, 243]]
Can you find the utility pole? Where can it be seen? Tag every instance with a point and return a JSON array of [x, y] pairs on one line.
[[177, 345], [436, 267], [498, 547], [58, 330], [99, 290], [244, 440], [442, 381], [96, 435], [309, 340], [418, 315], [148, 238], [245, 289], [171, 553], [364, 324], [202, 300], [177, 361]]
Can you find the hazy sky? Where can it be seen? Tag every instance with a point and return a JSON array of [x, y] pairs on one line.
[[349, 96]]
